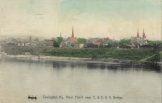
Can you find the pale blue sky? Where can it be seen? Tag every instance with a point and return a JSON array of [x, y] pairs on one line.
[[125, 8], [114, 18], [90, 18]]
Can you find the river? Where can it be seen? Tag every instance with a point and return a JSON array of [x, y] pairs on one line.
[[71, 82]]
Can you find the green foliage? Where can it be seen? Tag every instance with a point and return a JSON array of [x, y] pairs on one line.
[[82, 40], [153, 58], [113, 44], [155, 44], [126, 54], [124, 42], [57, 41]]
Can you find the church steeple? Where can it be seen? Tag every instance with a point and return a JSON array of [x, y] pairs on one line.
[[137, 33], [144, 35], [72, 33]]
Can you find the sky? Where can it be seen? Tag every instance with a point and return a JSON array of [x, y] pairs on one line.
[[115, 19]]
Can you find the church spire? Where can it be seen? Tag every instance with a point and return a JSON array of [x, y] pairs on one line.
[[144, 35], [72, 33], [137, 33]]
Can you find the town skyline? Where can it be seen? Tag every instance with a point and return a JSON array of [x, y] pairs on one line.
[[73, 33], [90, 18]]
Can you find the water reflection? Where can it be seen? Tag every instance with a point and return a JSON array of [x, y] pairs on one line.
[[125, 67], [134, 82]]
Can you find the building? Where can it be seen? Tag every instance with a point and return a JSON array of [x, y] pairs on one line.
[[98, 42], [107, 42], [93, 43], [139, 41], [70, 42]]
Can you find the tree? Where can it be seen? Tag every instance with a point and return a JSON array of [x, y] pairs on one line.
[[112, 43], [82, 40], [157, 45], [124, 42], [57, 41], [55, 44]]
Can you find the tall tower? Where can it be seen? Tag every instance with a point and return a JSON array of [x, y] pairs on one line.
[[72, 33], [144, 35], [137, 33]]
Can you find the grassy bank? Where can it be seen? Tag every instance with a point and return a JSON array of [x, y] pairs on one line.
[[125, 54], [141, 54]]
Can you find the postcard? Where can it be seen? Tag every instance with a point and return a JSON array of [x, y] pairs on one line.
[[80, 51]]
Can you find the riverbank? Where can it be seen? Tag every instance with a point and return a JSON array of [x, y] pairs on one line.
[[94, 55], [42, 58], [122, 54], [101, 54], [63, 59]]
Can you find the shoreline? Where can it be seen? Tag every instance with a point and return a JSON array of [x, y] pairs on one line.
[[112, 63], [72, 59], [66, 59]]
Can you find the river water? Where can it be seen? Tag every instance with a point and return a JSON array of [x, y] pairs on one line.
[[63, 82]]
